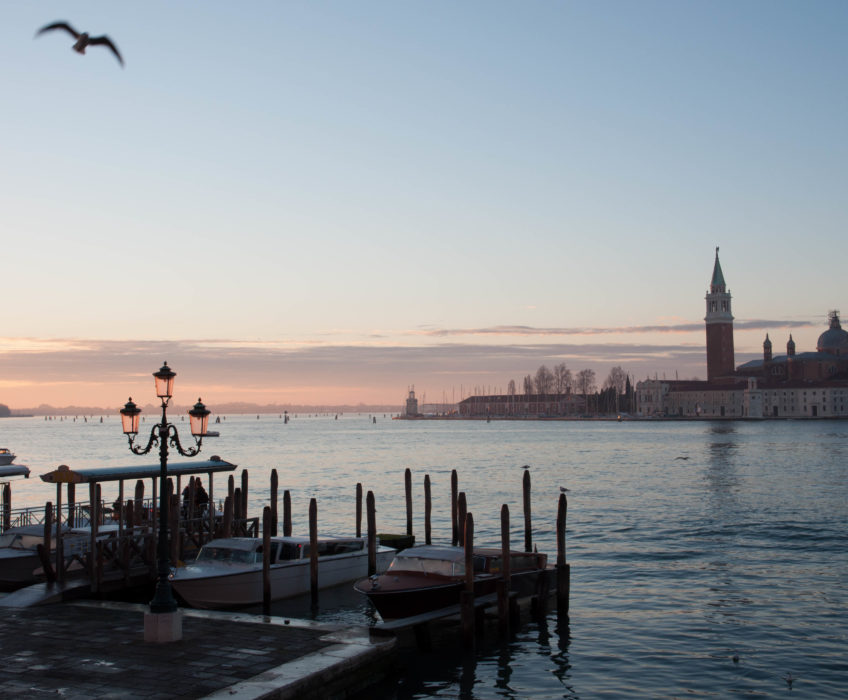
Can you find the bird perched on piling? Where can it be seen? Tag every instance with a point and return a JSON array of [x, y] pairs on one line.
[[83, 40]]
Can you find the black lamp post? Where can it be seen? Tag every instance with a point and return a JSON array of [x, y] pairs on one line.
[[163, 434]]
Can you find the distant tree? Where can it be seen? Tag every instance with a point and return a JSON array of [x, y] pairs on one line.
[[562, 379], [616, 379], [528, 385], [5, 411], [510, 388], [544, 381], [585, 381]]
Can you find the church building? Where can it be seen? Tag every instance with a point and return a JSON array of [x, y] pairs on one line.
[[795, 385]]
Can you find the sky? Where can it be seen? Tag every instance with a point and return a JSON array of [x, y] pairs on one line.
[[332, 202]]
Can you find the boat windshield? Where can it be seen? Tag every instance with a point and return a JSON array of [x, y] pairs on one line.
[[426, 565], [15, 540], [226, 554]]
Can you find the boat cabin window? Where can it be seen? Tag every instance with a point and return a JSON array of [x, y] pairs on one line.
[[333, 547], [424, 565], [226, 554]]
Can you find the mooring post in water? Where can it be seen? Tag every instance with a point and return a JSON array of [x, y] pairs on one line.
[[267, 524], [371, 516], [60, 551], [313, 550], [504, 584], [563, 568], [72, 492], [428, 509], [139, 502], [211, 507], [44, 548], [467, 595], [7, 506], [407, 486], [174, 524], [274, 490], [528, 529], [286, 513], [244, 494], [454, 515], [227, 520], [359, 509], [97, 508], [237, 514], [231, 486], [461, 511]]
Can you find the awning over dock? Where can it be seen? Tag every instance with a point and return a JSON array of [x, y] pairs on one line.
[[13, 470], [65, 475]]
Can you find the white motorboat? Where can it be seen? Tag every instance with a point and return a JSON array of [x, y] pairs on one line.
[[6, 456], [228, 572]]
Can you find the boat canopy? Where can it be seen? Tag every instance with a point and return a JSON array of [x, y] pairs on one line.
[[65, 475], [13, 470]]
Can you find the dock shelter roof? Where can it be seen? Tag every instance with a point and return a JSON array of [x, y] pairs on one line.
[[13, 470], [66, 475]]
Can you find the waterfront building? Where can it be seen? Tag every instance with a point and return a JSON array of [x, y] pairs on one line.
[[524, 406], [795, 385]]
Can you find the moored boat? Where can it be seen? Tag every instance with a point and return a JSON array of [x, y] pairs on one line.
[[430, 577], [228, 571], [6, 456]]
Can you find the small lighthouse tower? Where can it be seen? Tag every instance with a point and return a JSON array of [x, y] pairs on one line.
[[719, 321]]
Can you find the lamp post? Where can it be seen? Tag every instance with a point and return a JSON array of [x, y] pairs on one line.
[[163, 434]]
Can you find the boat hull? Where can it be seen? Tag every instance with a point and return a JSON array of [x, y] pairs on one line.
[[223, 586]]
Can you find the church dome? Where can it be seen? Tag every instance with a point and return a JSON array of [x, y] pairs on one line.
[[834, 340]]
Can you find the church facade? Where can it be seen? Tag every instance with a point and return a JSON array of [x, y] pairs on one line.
[[805, 385]]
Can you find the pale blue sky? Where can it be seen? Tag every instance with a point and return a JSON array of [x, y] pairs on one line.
[[315, 176]]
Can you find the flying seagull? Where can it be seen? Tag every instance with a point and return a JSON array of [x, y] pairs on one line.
[[83, 40]]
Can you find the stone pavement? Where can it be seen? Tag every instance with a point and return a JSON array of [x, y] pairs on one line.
[[97, 650]]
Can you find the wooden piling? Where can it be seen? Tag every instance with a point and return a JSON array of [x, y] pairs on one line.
[[287, 528], [231, 486], [238, 515], [528, 530], [504, 584], [371, 517], [7, 506], [359, 509], [467, 596], [274, 490], [44, 549], [174, 524], [211, 513], [313, 550], [139, 502], [461, 510], [60, 550], [227, 520], [407, 486], [454, 515], [563, 568], [72, 506], [244, 493], [97, 509], [267, 525], [428, 509]]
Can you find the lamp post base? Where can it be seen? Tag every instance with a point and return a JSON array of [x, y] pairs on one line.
[[163, 627]]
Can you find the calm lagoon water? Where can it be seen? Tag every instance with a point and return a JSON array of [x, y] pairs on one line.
[[690, 543]]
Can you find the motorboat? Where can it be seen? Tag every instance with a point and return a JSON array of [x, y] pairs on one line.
[[6, 456], [227, 572], [20, 564], [431, 577]]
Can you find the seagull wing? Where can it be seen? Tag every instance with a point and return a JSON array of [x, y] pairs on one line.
[[105, 41], [59, 25]]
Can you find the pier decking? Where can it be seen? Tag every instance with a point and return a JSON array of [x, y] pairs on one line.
[[96, 650]]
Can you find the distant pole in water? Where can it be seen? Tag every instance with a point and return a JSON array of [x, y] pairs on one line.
[[528, 530]]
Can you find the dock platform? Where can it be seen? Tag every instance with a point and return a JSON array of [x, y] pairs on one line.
[[97, 650]]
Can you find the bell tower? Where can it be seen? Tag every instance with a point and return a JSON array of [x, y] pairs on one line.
[[719, 321]]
